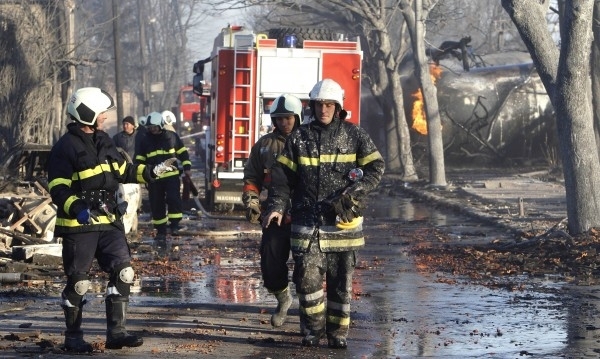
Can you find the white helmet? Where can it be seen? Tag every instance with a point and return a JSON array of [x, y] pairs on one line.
[[87, 103], [155, 119], [169, 117], [327, 90], [286, 105], [142, 120]]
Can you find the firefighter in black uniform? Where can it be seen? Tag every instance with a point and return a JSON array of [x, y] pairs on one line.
[[160, 145], [84, 171], [327, 167], [286, 112]]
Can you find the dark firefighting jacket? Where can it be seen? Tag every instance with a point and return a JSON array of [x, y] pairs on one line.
[[155, 149], [313, 168], [257, 171], [84, 171]]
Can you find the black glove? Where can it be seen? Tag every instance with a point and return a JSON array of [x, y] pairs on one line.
[[346, 207], [252, 205]]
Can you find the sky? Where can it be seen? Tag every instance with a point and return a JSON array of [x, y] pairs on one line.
[[202, 37]]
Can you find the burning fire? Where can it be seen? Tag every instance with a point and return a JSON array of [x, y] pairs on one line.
[[418, 113]]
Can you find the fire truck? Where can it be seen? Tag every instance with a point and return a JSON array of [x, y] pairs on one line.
[[248, 71], [193, 109]]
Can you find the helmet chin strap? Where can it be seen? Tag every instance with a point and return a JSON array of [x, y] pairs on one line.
[[87, 128]]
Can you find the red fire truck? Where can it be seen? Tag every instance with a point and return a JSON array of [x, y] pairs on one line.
[[248, 71], [193, 109]]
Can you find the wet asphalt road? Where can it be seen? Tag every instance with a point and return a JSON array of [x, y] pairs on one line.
[[400, 309]]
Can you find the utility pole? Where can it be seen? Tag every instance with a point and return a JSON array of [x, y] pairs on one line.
[[117, 50], [145, 84]]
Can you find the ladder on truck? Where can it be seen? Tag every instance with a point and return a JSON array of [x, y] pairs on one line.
[[243, 93]]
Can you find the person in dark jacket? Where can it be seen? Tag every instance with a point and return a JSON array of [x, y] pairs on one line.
[[85, 169], [165, 193], [327, 168], [126, 139], [286, 112]]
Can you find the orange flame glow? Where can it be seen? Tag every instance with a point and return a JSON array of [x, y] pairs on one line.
[[418, 114]]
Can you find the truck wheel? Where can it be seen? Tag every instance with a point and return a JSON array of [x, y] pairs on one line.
[[301, 33]]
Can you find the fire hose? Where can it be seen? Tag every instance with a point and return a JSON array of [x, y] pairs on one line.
[[201, 211]]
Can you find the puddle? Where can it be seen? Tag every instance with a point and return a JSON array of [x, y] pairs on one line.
[[408, 313]]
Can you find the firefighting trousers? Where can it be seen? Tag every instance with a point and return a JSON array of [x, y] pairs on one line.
[[163, 194], [311, 267], [110, 249], [274, 254]]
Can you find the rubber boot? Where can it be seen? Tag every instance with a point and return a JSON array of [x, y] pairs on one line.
[[116, 334], [304, 331], [74, 335], [284, 301], [312, 339], [337, 342]]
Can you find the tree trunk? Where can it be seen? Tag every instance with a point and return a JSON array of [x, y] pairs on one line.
[[398, 135], [437, 171], [574, 120], [595, 61], [567, 81]]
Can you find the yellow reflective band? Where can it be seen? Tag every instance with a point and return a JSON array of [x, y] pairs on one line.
[[68, 203], [161, 152], [181, 150], [159, 221], [59, 181], [186, 163], [338, 320], [308, 161], [140, 158], [300, 243], [287, 162], [66, 222], [94, 171], [175, 215], [370, 158], [169, 174], [139, 175], [339, 158], [342, 243], [120, 169], [320, 308]]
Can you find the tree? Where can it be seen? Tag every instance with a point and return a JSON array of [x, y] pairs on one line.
[[33, 70], [565, 73], [415, 24], [166, 58]]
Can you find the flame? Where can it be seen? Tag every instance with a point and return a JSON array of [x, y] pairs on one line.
[[418, 114]]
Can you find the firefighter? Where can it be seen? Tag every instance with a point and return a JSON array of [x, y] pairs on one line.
[[170, 120], [160, 145], [327, 167], [286, 112], [83, 179]]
